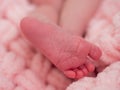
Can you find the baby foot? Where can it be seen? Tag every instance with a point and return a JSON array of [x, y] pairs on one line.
[[67, 52]]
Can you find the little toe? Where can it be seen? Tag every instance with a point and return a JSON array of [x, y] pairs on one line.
[[70, 74], [90, 67]]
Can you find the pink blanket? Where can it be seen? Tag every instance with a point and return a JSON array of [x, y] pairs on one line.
[[24, 68]]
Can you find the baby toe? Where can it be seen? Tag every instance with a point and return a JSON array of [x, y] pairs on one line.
[[83, 68], [95, 53], [70, 73], [90, 67], [79, 74]]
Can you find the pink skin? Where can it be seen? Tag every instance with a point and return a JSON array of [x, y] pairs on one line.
[[76, 15], [56, 4], [69, 53], [45, 11], [77, 66]]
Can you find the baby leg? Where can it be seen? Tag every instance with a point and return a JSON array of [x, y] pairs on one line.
[[76, 14]]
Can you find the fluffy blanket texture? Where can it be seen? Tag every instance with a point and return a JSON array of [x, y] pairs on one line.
[[24, 68]]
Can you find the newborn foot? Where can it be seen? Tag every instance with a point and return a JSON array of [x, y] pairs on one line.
[[67, 52]]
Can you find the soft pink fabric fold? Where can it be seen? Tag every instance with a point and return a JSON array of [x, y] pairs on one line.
[[24, 68]]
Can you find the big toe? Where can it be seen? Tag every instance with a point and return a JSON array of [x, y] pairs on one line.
[[90, 67], [95, 52]]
